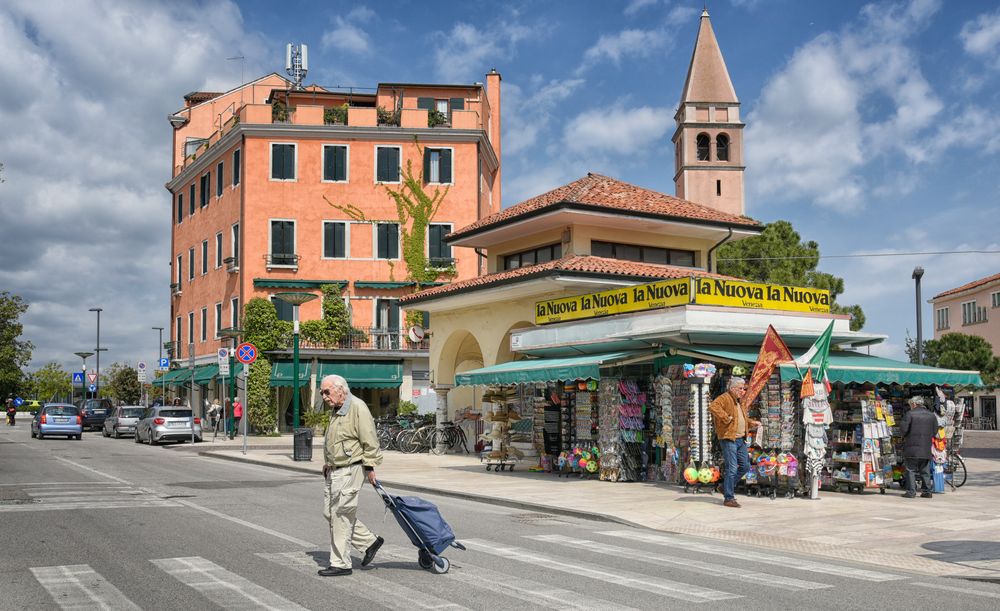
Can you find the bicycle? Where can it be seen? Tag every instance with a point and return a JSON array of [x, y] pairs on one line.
[[449, 437], [415, 440], [956, 468]]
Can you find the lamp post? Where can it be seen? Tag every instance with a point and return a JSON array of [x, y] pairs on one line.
[[296, 299], [234, 334], [83, 386], [159, 357], [918, 273], [97, 393]]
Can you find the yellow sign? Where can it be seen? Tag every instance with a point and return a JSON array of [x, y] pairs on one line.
[[663, 294], [740, 294]]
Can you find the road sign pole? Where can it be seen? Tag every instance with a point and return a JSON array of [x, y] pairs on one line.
[[191, 399]]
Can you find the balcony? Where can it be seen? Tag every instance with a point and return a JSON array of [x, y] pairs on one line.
[[175, 289], [281, 260], [231, 266], [373, 338], [441, 262]]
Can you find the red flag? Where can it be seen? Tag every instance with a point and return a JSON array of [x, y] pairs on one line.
[[807, 385], [772, 351]]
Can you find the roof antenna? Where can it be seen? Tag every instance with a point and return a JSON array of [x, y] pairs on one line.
[[243, 70], [296, 64]]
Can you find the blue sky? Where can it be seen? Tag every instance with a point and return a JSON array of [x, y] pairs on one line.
[[869, 126]]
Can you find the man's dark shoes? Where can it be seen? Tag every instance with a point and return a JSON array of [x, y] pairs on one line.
[[926, 495], [332, 571], [731, 503], [910, 495], [371, 551]]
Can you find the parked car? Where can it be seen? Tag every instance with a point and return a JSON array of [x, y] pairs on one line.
[[57, 419], [122, 421], [167, 423], [94, 412]]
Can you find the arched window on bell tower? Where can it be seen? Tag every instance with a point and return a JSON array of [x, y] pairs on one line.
[[704, 143], [722, 147]]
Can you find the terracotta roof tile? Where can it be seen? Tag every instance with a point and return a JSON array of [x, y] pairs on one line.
[[582, 264], [970, 285], [595, 190]]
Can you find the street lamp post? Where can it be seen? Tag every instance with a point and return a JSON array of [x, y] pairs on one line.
[[97, 383], [234, 334], [918, 273], [296, 299], [159, 358], [83, 386]]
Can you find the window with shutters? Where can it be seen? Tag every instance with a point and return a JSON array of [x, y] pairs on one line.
[[206, 188], [218, 250], [387, 163], [534, 256], [179, 336], [283, 308], [941, 318], [972, 314], [234, 312], [236, 167], [204, 324], [180, 270], [204, 257], [283, 161], [335, 235], [438, 166], [218, 319], [644, 254], [438, 251], [191, 202], [995, 299], [445, 106], [219, 182], [190, 327], [704, 143], [282, 246], [191, 264], [235, 243], [386, 240], [335, 160], [180, 208]]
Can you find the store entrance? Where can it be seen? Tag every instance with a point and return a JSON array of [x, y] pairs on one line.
[[988, 413]]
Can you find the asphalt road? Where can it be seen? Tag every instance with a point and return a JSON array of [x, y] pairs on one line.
[[104, 523]]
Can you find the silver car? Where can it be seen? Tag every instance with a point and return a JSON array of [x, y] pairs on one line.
[[167, 423], [122, 421]]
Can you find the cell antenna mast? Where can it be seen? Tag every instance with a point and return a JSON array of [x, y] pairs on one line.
[[296, 64]]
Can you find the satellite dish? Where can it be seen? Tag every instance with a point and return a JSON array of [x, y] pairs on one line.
[[416, 334]]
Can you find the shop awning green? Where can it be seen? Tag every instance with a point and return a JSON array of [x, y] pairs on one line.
[[370, 284], [844, 366], [171, 376], [267, 283], [549, 370], [205, 373], [281, 373], [366, 374]]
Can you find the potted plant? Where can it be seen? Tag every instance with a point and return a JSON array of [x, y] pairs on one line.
[[435, 118], [318, 420], [387, 117], [279, 112], [336, 115]]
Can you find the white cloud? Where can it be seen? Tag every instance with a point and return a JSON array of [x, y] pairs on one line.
[[466, 52], [635, 6], [527, 116], [84, 146], [347, 35], [981, 37], [812, 132], [627, 43], [617, 129]]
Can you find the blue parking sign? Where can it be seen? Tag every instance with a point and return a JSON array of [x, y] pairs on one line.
[[164, 364]]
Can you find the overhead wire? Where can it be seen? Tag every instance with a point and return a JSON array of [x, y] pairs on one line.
[[870, 254]]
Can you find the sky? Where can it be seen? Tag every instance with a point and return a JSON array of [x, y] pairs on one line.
[[869, 126]]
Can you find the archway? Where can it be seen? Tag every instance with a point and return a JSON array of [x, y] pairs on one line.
[[504, 353]]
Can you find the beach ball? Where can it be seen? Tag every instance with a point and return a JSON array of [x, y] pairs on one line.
[[705, 475], [593, 466], [691, 475], [582, 463], [585, 455], [716, 474]]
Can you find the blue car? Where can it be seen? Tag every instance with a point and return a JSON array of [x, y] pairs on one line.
[[57, 419]]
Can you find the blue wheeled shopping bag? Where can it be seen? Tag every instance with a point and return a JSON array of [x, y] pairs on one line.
[[426, 528]]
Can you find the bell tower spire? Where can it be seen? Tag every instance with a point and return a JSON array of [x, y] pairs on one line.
[[708, 141]]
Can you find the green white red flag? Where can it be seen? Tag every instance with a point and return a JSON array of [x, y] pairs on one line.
[[818, 357]]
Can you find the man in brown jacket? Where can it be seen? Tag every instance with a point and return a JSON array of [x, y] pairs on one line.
[[350, 455], [731, 427]]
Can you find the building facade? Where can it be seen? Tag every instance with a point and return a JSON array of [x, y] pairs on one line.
[[973, 309], [275, 189]]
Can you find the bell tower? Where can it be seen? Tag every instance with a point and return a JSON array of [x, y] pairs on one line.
[[708, 141]]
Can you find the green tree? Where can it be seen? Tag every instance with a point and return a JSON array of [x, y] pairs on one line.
[[336, 321], [260, 402], [50, 381], [961, 351], [779, 256], [262, 328], [122, 384], [15, 353]]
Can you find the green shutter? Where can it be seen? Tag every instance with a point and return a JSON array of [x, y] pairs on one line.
[[425, 103], [340, 153], [457, 103], [394, 165], [445, 170], [289, 161], [275, 161], [427, 165], [329, 162]]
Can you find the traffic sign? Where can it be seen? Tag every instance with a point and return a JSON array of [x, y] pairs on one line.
[[246, 353], [141, 365], [141, 371], [18, 401], [164, 364], [223, 361], [92, 377], [78, 378], [92, 388]]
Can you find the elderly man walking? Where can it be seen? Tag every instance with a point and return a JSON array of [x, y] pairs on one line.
[[731, 426], [350, 453], [917, 428]]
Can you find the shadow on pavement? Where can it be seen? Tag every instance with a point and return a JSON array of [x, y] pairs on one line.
[[973, 554]]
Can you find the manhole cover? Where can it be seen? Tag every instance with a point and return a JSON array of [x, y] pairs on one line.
[[9, 495]]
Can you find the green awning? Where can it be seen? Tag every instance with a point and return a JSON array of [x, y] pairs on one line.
[[372, 284], [281, 373], [366, 374], [845, 366], [171, 376], [205, 373], [267, 283], [549, 370]]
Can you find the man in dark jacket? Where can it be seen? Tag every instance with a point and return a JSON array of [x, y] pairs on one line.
[[918, 427]]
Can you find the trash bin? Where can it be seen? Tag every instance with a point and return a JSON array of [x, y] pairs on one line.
[[302, 448]]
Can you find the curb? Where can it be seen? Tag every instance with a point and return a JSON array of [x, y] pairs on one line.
[[466, 496]]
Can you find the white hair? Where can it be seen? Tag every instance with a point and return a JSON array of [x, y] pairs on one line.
[[338, 381], [736, 382]]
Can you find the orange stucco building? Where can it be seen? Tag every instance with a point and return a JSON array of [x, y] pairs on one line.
[[275, 189]]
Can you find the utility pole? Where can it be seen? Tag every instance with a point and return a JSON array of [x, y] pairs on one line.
[[159, 357], [97, 382], [918, 273]]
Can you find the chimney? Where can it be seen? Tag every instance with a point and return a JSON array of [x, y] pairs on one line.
[[493, 131]]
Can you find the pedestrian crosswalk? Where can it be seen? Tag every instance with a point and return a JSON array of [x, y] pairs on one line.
[[65, 496], [623, 570]]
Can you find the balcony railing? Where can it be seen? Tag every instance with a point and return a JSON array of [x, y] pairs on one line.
[[281, 260], [373, 338], [440, 262]]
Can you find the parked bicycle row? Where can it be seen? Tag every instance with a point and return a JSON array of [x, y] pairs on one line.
[[420, 434]]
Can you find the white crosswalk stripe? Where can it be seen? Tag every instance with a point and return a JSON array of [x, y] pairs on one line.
[[77, 586], [705, 568], [663, 587], [365, 584], [520, 588], [85, 495], [787, 562], [226, 589]]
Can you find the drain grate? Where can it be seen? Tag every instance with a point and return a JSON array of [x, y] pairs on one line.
[[9, 495], [535, 518]]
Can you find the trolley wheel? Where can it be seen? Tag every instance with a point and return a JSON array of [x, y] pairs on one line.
[[424, 560], [511, 468], [440, 565], [773, 495], [881, 490], [488, 466]]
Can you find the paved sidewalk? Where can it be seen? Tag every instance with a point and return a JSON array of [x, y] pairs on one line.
[[954, 534]]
